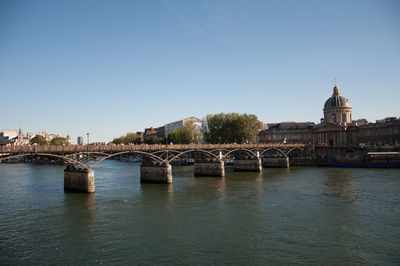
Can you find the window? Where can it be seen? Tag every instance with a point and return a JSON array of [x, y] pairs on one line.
[[334, 118]]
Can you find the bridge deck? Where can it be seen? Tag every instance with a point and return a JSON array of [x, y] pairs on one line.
[[58, 149]]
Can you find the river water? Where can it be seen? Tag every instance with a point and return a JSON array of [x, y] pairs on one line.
[[301, 215]]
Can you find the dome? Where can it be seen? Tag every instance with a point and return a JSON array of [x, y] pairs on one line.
[[336, 100]]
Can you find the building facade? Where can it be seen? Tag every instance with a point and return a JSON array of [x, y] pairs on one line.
[[337, 109], [6, 136], [337, 129], [287, 132], [385, 132], [79, 140], [180, 123]]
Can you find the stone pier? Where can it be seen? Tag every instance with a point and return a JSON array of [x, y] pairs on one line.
[[276, 162], [79, 180], [215, 168], [253, 165], [156, 174]]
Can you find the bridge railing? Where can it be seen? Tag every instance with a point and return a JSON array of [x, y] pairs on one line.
[[59, 149]]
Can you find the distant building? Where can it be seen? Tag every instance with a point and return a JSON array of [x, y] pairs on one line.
[[180, 123], [46, 135], [30, 135], [16, 137], [149, 132], [153, 132], [6, 136], [385, 132], [336, 129], [9, 134], [79, 140], [360, 122], [337, 109], [162, 132], [287, 132], [13, 137]]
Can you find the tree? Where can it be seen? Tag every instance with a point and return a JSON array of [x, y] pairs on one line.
[[39, 140], [212, 128], [59, 141], [132, 138], [153, 140], [230, 128], [185, 135], [119, 140], [129, 138]]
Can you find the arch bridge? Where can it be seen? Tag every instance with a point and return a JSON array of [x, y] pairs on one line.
[[156, 159]]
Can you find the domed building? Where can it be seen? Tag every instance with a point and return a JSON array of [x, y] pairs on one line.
[[337, 109], [337, 129], [334, 128]]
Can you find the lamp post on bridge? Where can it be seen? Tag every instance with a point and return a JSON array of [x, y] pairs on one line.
[[166, 141], [87, 142]]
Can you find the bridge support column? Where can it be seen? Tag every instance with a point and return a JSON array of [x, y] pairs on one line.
[[248, 165], [276, 162], [79, 180], [156, 174], [209, 168]]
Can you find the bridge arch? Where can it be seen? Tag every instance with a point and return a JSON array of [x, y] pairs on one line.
[[246, 150], [64, 158], [293, 149], [219, 150], [163, 152], [191, 151], [86, 164], [157, 158], [300, 149], [275, 149]]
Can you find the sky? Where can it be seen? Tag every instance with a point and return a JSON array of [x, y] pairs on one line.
[[112, 67]]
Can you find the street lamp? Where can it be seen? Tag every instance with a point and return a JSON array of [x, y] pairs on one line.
[[166, 141], [87, 141]]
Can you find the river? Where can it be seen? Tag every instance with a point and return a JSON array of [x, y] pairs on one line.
[[301, 215]]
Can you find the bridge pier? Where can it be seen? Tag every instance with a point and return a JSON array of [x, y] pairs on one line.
[[215, 168], [253, 165], [156, 174], [276, 162], [79, 180]]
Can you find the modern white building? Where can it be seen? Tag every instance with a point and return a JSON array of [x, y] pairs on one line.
[[180, 123]]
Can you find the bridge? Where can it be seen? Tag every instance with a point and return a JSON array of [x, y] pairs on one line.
[[156, 159]]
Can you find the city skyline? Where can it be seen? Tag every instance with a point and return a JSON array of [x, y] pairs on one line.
[[111, 68]]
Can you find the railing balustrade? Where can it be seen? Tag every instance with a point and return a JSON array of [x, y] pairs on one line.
[[137, 147]]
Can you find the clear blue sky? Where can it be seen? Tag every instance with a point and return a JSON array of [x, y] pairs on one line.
[[112, 67]]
